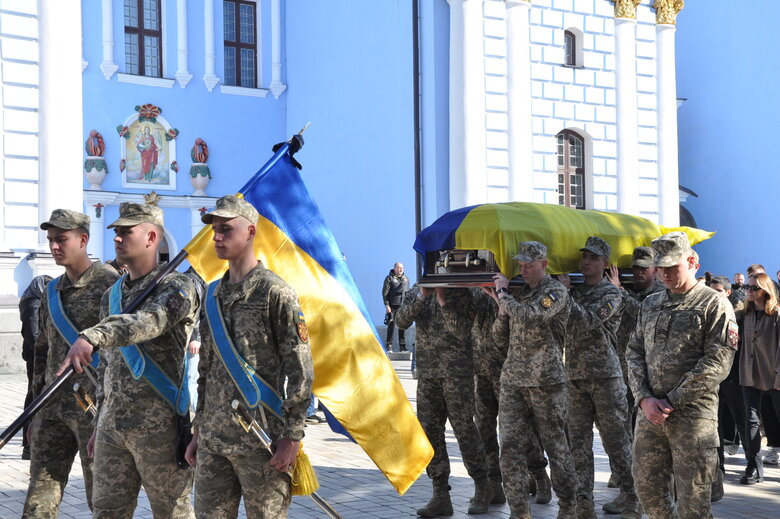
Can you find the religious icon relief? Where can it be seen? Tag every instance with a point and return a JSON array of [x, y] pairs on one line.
[[148, 150]]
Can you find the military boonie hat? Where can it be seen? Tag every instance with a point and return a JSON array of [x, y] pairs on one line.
[[66, 219], [231, 206], [669, 248], [643, 257], [132, 213], [597, 246], [530, 251]]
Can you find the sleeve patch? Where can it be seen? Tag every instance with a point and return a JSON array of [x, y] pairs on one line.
[[303, 331], [549, 300], [174, 302], [733, 335], [605, 310]]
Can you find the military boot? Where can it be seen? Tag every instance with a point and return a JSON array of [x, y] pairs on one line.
[[585, 508], [617, 506], [543, 488], [567, 509], [499, 498], [439, 504], [531, 484], [613, 482], [483, 493], [633, 509]]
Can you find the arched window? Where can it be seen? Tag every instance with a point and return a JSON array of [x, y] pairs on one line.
[[571, 169], [569, 49]]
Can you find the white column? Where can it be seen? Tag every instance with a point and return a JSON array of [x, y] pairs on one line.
[[668, 174], [195, 222], [276, 87], [627, 134], [468, 184], [60, 183], [107, 66], [97, 229], [183, 75], [210, 77], [518, 57]]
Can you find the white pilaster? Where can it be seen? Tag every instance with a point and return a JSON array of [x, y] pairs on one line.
[[209, 78], [195, 222], [518, 57], [668, 174], [183, 75], [276, 87], [97, 229], [626, 99], [468, 184], [107, 66], [60, 106]]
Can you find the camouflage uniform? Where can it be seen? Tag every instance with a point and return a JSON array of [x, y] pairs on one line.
[[62, 428], [681, 350], [136, 430], [445, 385], [533, 388], [597, 392], [489, 357]]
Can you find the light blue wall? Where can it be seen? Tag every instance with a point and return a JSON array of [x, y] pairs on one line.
[[349, 70], [725, 67]]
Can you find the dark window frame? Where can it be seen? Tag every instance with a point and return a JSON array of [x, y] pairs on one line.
[[142, 31], [569, 36], [567, 170], [237, 44]]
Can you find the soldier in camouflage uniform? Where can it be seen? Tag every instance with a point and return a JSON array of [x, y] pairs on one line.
[[445, 389], [644, 283], [596, 388], [136, 435], [62, 428], [533, 380], [265, 323], [681, 350]]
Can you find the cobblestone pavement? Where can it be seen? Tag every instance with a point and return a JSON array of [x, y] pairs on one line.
[[353, 485]]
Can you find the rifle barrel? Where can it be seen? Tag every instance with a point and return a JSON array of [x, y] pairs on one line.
[[43, 398]]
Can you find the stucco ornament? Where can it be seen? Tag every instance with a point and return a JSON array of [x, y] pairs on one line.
[[200, 174], [666, 11], [626, 8], [95, 168]]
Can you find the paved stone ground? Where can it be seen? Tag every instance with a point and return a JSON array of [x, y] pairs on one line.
[[351, 483]]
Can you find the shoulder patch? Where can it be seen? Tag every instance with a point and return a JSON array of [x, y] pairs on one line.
[[605, 310], [174, 301], [549, 299], [300, 325], [733, 335]]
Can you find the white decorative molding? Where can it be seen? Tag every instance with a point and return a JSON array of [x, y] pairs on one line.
[[627, 125], [209, 77], [84, 64], [96, 228], [243, 91], [276, 87], [668, 168], [160, 82], [179, 201], [182, 75], [107, 66]]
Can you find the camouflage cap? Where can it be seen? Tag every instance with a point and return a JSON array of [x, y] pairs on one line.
[[231, 206], [669, 248], [597, 246], [643, 257], [531, 251], [66, 219], [132, 213]]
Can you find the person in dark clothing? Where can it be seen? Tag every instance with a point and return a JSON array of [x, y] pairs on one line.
[[395, 286], [29, 306]]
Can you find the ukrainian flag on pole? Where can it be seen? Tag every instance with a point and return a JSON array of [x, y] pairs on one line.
[[352, 376]]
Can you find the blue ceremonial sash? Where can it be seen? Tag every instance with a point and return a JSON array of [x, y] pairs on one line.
[[252, 387], [141, 365], [60, 319]]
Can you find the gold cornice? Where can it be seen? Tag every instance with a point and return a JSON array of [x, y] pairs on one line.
[[626, 8], [666, 11]]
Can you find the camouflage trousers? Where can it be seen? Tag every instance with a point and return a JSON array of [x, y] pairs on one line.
[[124, 460], [685, 447], [221, 481], [54, 447], [437, 400], [603, 401], [487, 391], [518, 408]]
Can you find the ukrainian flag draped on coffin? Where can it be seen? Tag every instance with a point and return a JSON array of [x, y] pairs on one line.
[[352, 376], [500, 228]]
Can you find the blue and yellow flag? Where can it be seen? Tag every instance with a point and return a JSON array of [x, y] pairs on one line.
[[500, 228], [352, 376]]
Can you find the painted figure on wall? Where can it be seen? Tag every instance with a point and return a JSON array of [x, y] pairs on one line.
[[147, 154]]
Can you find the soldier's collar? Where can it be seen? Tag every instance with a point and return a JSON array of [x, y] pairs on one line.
[[230, 292]]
